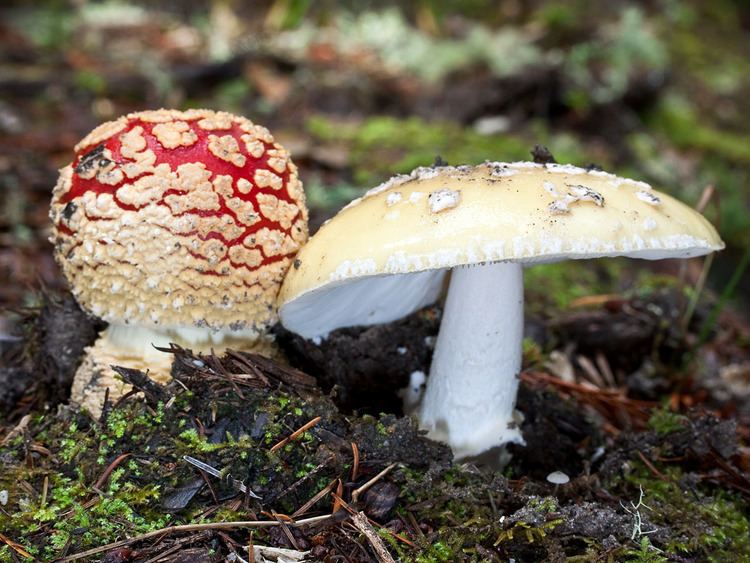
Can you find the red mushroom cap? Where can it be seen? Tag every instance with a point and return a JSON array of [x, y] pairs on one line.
[[176, 218]]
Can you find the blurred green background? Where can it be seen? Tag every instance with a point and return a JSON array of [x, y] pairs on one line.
[[358, 91]]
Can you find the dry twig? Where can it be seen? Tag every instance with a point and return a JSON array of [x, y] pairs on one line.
[[360, 521], [17, 547], [296, 434], [355, 462], [18, 429], [107, 472], [193, 528], [610, 403], [319, 495], [371, 482]]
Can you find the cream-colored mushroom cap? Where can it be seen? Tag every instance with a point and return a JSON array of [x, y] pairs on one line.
[[385, 254]]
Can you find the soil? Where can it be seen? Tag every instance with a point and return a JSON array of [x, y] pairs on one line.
[[125, 475], [41, 363], [363, 367]]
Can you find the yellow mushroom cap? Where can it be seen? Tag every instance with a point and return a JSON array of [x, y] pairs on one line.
[[385, 254], [179, 219]]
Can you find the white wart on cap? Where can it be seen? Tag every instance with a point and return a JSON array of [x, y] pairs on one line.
[[386, 255]]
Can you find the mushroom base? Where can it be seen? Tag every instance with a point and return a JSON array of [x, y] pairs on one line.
[[471, 392], [134, 347]]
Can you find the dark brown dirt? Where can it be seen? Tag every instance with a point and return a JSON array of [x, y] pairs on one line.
[[549, 419], [457, 507], [702, 440], [629, 331], [44, 362], [363, 367]]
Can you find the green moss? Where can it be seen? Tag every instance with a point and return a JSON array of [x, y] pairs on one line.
[[544, 505], [527, 532], [117, 424], [382, 146], [677, 119], [664, 421], [646, 553], [703, 524], [126, 507], [558, 285], [381, 428], [76, 515], [69, 446], [438, 552], [192, 442]]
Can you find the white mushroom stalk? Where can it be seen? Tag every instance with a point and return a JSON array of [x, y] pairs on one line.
[[142, 341], [471, 392]]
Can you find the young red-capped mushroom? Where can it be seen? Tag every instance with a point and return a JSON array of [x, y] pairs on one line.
[[175, 226], [387, 254]]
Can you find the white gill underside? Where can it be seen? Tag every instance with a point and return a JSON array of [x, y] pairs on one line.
[[471, 391], [367, 301], [361, 294]]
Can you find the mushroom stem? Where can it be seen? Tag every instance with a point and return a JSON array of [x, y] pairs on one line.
[[471, 391], [141, 339]]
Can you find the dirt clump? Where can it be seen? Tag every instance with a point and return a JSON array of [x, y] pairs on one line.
[[364, 366]]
